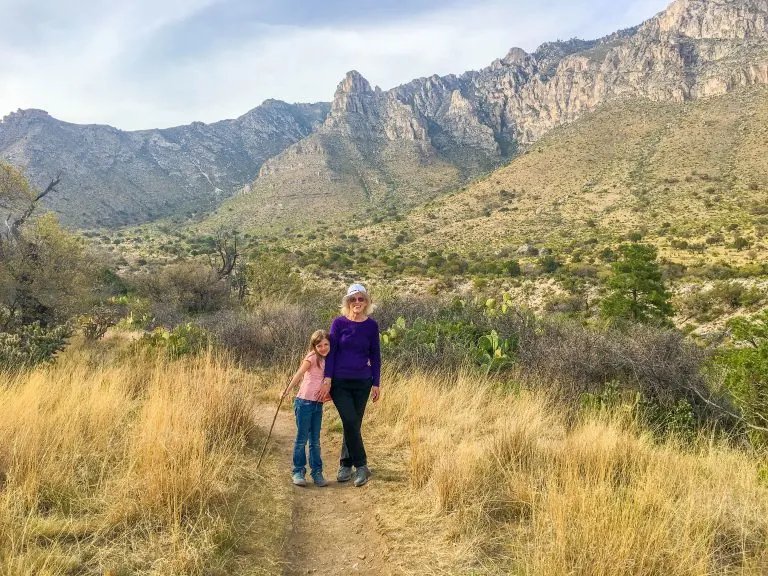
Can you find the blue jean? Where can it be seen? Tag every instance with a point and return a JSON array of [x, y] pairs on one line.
[[309, 417]]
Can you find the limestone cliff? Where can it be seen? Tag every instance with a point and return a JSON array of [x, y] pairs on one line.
[[380, 145]]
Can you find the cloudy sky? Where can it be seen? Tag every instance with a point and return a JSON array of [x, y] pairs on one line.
[[159, 63]]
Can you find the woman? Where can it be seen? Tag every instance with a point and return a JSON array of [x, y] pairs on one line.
[[352, 370]]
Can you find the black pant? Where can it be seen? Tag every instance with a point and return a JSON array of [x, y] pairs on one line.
[[350, 398]]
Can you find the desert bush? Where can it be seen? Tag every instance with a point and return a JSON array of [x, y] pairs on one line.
[[548, 264], [269, 276], [697, 304], [740, 243], [183, 340], [31, 344], [410, 308], [138, 312], [722, 297], [753, 296], [442, 344], [728, 293], [659, 363], [102, 317], [565, 304], [269, 332], [188, 286], [434, 331]]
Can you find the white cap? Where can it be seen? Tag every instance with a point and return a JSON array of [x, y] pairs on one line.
[[356, 289]]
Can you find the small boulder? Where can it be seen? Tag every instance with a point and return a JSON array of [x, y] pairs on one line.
[[527, 250]]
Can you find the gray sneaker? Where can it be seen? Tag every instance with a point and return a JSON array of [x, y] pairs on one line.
[[344, 474], [319, 479], [361, 475], [298, 479]]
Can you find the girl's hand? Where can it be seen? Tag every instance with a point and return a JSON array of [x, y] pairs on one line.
[[327, 382], [375, 393]]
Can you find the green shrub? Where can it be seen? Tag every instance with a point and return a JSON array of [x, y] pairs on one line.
[[183, 340], [548, 264], [744, 365], [424, 343], [728, 293], [32, 344], [102, 317], [566, 304], [512, 268], [740, 243], [188, 286], [669, 416], [721, 298], [270, 330]]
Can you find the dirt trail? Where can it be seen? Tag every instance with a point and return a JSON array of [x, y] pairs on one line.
[[334, 528]]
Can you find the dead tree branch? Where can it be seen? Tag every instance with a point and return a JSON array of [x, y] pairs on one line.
[[15, 225]]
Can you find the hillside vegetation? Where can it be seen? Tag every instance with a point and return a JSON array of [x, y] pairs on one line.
[[690, 178], [331, 178]]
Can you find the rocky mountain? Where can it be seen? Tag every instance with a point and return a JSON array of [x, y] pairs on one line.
[[406, 145], [111, 177], [385, 150]]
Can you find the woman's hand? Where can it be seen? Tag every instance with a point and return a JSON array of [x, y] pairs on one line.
[[375, 393], [324, 394]]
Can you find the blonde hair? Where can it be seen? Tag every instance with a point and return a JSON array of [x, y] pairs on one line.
[[317, 337], [368, 304]]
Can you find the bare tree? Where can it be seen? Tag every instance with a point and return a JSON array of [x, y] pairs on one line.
[[227, 250]]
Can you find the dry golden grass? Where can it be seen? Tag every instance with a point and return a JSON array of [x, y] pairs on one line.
[[118, 463], [122, 463], [518, 487]]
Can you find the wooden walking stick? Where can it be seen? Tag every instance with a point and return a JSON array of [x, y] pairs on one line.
[[269, 435]]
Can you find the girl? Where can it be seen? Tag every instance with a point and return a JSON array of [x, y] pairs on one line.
[[308, 407]]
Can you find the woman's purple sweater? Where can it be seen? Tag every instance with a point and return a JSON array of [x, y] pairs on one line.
[[355, 350]]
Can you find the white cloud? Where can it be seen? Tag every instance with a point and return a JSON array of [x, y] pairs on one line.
[[90, 74]]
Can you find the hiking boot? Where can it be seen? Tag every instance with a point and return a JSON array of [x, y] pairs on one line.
[[318, 479], [298, 479], [344, 474], [361, 475]]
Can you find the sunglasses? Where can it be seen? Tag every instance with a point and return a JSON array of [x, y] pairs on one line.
[[357, 299]]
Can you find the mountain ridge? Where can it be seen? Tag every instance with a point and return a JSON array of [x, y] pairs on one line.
[[152, 173], [478, 120], [371, 149]]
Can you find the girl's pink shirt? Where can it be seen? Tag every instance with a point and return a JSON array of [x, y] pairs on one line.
[[313, 379]]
